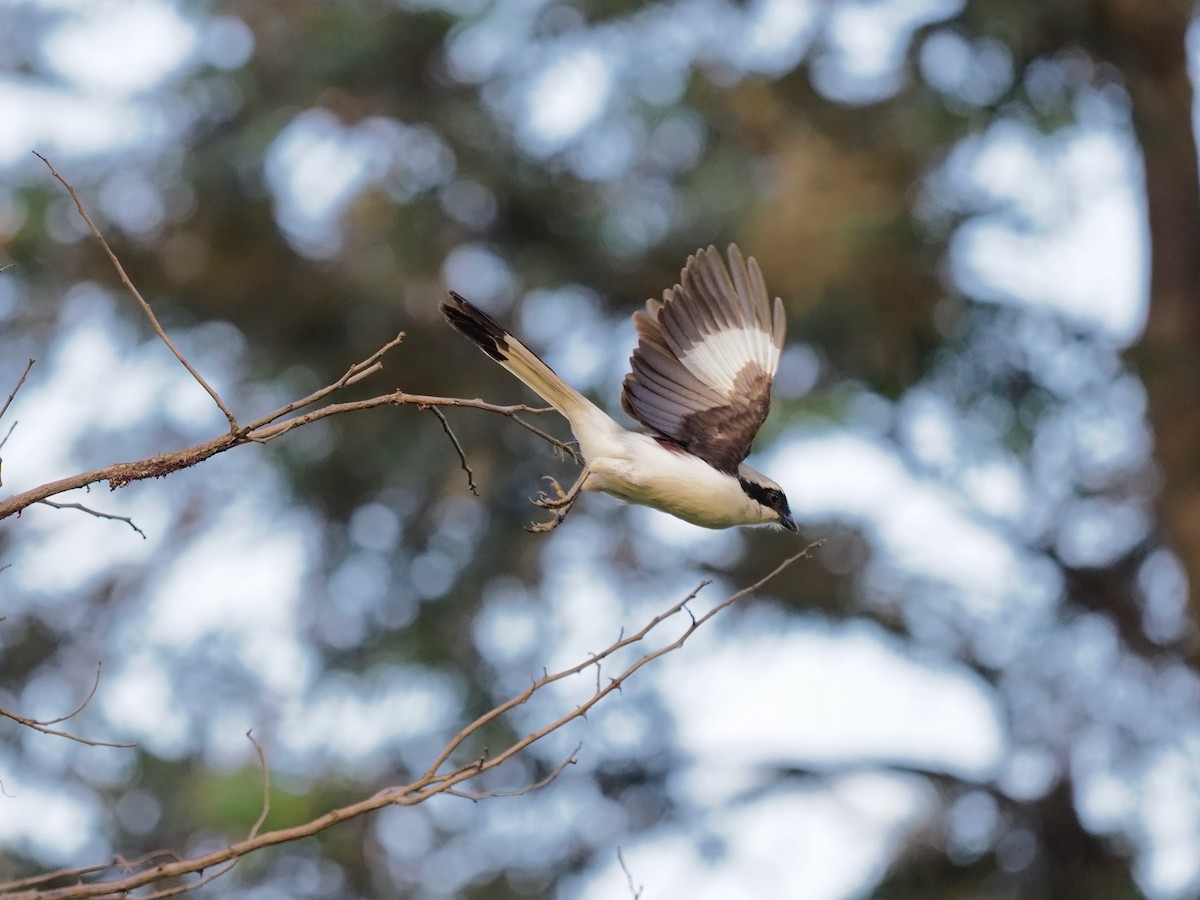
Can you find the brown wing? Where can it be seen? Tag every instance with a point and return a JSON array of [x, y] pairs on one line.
[[707, 352]]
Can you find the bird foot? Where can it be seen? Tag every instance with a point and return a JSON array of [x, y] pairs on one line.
[[553, 522], [560, 499], [558, 504]]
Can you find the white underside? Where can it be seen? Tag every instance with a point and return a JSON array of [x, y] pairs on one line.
[[638, 469]]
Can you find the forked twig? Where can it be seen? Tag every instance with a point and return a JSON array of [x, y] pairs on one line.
[[571, 759], [356, 373], [94, 512], [262, 430], [266, 773], [129, 285], [462, 457], [43, 725], [635, 892], [8, 402], [432, 782], [20, 381], [20, 884], [567, 448]]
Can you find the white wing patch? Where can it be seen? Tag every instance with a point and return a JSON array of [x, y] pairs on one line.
[[719, 358]]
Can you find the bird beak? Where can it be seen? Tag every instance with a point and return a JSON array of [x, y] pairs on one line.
[[787, 522]]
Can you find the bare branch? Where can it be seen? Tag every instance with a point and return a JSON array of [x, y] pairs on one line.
[[8, 433], [593, 659], [572, 758], [125, 280], [94, 512], [43, 725], [431, 783], [11, 887], [566, 448], [266, 804], [261, 431], [121, 474], [185, 888], [462, 457], [636, 892], [8, 402], [20, 381], [353, 375], [83, 704]]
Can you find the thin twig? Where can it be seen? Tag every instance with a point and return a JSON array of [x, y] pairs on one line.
[[427, 785], [43, 725], [266, 773], [254, 829], [462, 457], [125, 280], [20, 381], [636, 892], [567, 448], [262, 432], [94, 512], [353, 375], [185, 888], [8, 402], [83, 704], [8, 433], [34, 880], [121, 474], [571, 760]]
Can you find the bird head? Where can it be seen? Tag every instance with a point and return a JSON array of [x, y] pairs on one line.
[[768, 495]]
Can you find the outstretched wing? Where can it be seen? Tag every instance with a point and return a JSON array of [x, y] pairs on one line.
[[706, 355]]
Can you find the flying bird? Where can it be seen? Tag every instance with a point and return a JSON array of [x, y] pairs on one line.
[[700, 382]]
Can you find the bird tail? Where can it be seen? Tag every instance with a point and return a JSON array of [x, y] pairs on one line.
[[501, 346]]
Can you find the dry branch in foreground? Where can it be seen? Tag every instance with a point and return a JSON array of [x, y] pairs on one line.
[[259, 431], [437, 779]]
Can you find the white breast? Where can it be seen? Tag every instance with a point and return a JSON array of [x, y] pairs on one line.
[[675, 482]]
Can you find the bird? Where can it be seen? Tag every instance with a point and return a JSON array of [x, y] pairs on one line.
[[699, 382]]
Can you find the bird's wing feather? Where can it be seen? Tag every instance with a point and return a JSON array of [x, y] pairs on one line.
[[707, 353]]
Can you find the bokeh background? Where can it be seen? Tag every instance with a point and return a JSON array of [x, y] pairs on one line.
[[984, 220]]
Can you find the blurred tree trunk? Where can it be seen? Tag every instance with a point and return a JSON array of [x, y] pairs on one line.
[[1147, 43]]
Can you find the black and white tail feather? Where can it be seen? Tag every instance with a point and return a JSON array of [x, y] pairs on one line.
[[700, 381]]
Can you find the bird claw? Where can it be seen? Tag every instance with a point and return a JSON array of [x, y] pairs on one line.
[[549, 525], [558, 505], [560, 499]]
